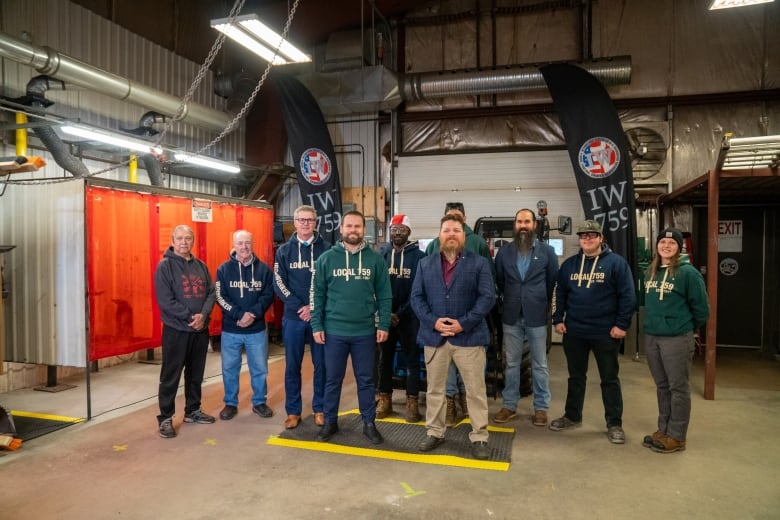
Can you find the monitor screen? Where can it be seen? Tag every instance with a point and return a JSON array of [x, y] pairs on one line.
[[557, 244]]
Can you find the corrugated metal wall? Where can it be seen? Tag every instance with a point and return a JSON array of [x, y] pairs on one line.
[[73, 30], [45, 313]]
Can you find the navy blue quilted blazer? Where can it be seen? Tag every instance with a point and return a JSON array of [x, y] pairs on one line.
[[469, 299]]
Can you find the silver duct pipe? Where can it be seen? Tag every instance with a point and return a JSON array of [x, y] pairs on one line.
[[153, 169], [611, 71], [66, 68]]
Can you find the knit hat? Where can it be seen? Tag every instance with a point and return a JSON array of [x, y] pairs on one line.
[[589, 226], [673, 233], [401, 220]]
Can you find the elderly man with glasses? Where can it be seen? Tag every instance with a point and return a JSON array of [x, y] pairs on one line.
[[594, 300]]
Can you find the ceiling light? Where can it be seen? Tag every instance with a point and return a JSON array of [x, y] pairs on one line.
[[726, 4], [253, 34], [207, 162], [112, 139]]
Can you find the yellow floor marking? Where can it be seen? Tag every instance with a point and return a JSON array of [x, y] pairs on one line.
[[210, 442], [120, 447], [33, 415], [411, 492], [441, 460]]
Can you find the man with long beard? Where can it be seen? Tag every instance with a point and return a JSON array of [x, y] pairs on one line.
[[526, 270], [452, 294], [350, 314]]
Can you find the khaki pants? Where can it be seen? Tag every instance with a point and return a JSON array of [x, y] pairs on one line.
[[471, 365]]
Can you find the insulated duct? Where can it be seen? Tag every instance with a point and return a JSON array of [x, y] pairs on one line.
[[428, 85], [153, 169], [66, 68]]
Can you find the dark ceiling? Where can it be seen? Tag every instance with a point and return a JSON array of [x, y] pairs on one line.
[[183, 27]]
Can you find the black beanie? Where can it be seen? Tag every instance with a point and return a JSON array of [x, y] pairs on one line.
[[673, 233]]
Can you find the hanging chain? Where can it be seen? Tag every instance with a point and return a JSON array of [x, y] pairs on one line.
[[237, 6]]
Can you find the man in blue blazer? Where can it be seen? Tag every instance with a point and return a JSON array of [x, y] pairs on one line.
[[526, 270], [452, 294]]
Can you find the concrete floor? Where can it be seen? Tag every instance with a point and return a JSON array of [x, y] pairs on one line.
[[116, 466]]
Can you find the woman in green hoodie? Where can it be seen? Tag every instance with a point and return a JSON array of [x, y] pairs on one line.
[[675, 306]]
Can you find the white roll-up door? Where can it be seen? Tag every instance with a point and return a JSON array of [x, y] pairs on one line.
[[488, 184]]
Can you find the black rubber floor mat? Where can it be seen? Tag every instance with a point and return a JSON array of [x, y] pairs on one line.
[[401, 441], [31, 425]]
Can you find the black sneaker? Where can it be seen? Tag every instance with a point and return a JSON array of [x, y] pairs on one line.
[[327, 431], [480, 450], [262, 410], [370, 431], [228, 412], [200, 417], [430, 443], [166, 429]]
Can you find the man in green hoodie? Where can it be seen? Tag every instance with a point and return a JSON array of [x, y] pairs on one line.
[[351, 303]]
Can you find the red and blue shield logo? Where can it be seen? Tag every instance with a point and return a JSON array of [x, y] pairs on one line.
[[599, 157], [315, 166]]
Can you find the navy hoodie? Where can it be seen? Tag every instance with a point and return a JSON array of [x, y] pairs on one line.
[[244, 288], [594, 294], [183, 288], [292, 272], [402, 267]]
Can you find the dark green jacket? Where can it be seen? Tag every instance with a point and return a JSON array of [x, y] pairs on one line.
[[351, 293], [675, 304]]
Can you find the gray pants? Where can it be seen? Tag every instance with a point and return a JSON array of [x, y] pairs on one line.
[[669, 358]]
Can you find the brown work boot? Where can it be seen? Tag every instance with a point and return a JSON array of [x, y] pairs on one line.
[[667, 444], [540, 418], [463, 405], [647, 442], [384, 405], [452, 413], [503, 415], [412, 409]]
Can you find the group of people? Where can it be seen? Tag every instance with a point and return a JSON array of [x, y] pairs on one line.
[[348, 301]]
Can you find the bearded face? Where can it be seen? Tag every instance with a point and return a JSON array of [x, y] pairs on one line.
[[525, 231], [452, 238]]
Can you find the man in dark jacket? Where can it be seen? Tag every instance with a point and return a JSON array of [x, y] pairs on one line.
[[292, 275], [185, 295], [526, 270], [452, 294], [402, 258], [244, 292], [594, 301]]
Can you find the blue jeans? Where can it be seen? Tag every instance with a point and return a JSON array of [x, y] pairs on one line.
[[256, 346], [295, 335], [361, 350], [455, 384], [513, 355]]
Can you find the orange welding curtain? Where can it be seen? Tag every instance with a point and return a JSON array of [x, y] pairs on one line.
[[127, 234]]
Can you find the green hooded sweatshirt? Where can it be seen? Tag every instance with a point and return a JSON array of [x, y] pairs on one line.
[[675, 304], [351, 294]]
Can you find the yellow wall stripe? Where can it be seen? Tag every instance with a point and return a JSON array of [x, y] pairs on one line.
[[33, 415]]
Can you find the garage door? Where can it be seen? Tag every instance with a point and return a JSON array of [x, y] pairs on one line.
[[488, 184]]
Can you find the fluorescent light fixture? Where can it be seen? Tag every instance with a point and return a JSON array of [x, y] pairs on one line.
[[207, 162], [253, 34], [726, 4], [112, 139]]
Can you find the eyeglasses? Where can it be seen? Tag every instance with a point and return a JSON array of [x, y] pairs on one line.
[[306, 220], [397, 229], [589, 235]]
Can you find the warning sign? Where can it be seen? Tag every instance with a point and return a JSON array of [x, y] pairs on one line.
[[201, 210]]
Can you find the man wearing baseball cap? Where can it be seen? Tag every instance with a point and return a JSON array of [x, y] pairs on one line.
[[594, 301], [401, 256]]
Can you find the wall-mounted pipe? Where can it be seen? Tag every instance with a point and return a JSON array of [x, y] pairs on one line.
[[66, 68], [610, 71], [132, 169]]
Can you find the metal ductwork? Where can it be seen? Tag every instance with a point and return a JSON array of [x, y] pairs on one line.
[[610, 71], [372, 89], [66, 68], [153, 169]]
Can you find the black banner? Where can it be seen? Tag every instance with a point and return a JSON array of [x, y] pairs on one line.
[[599, 153], [312, 151]]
